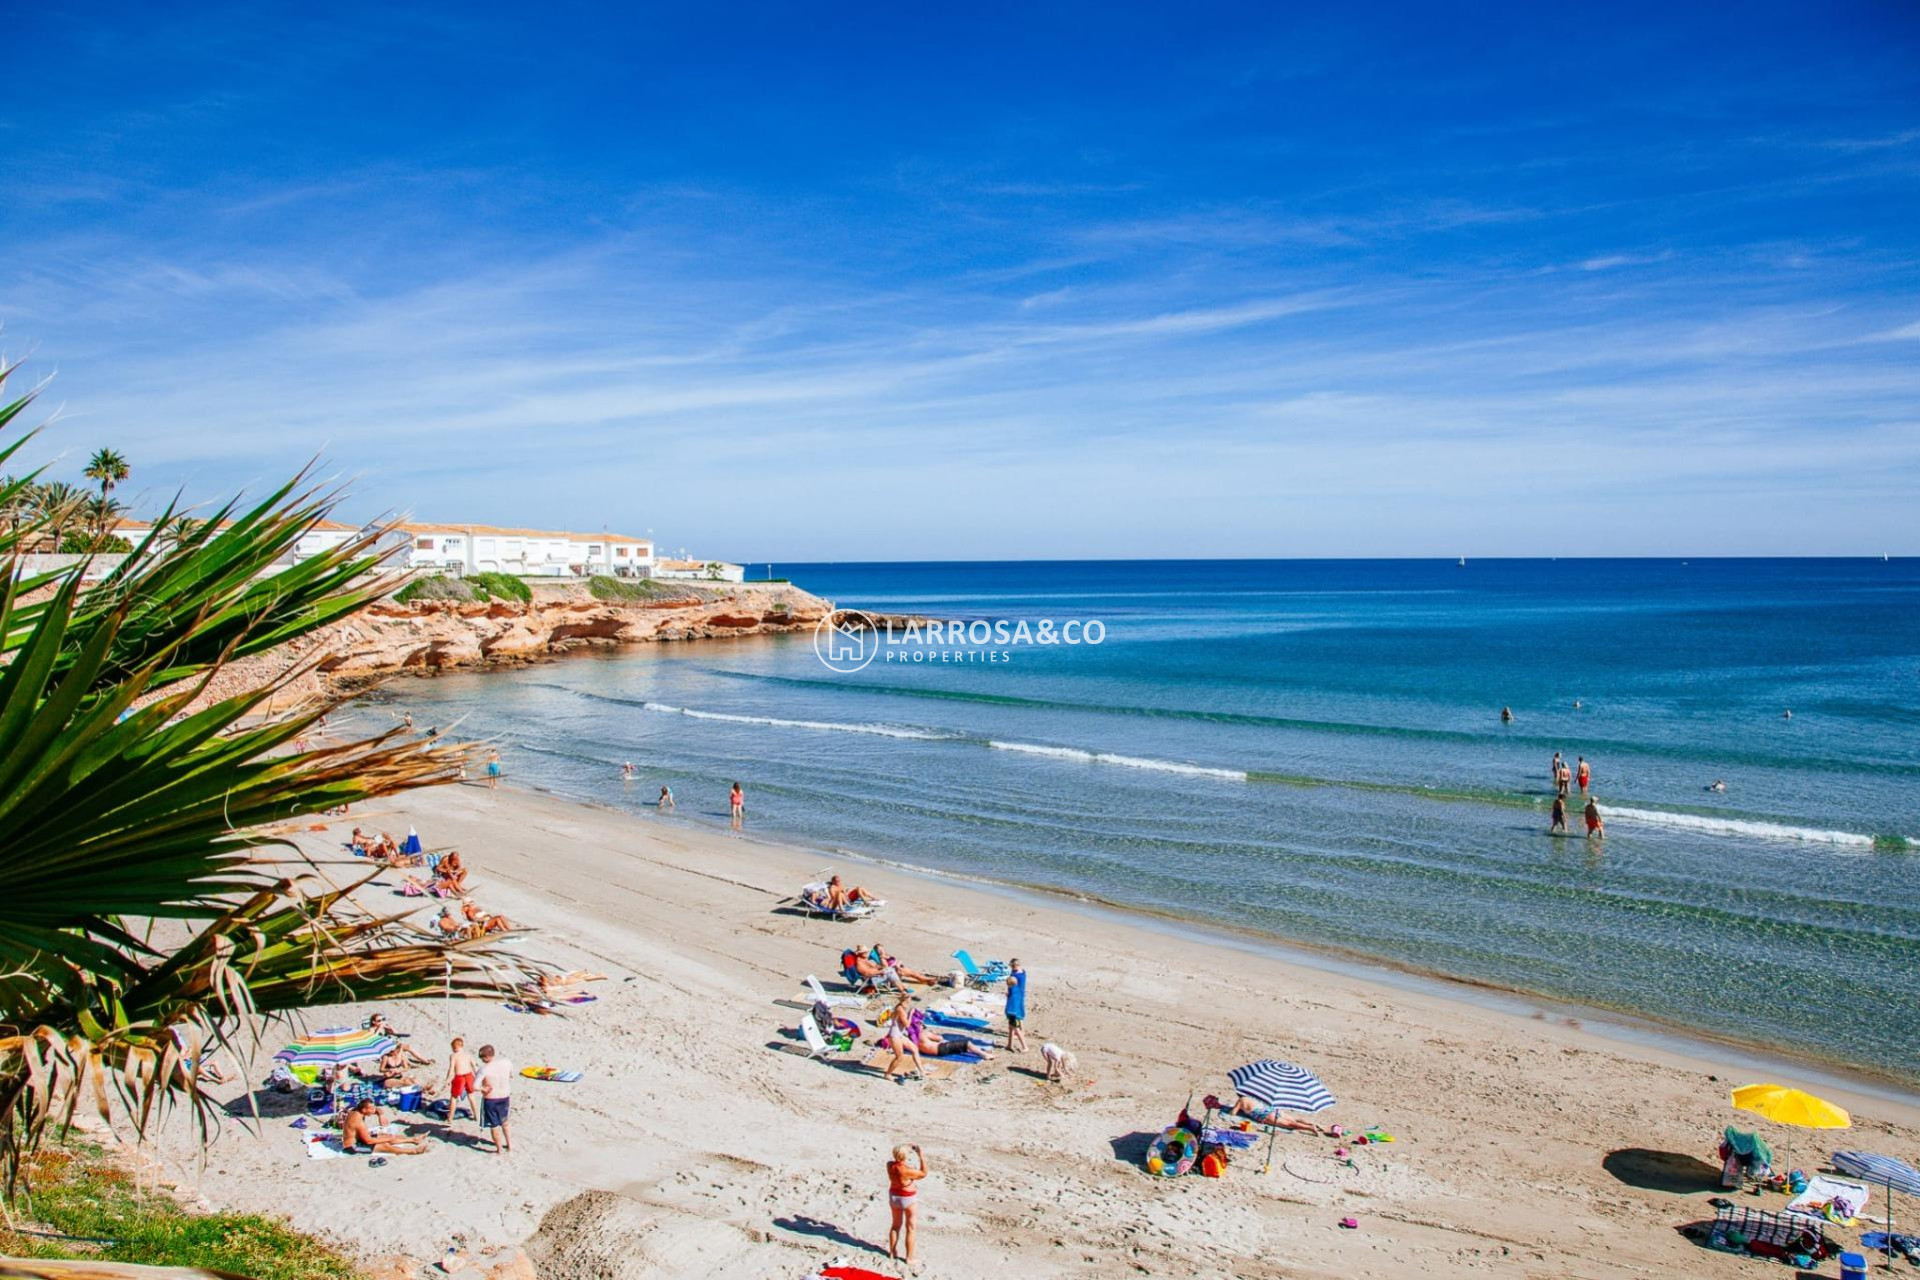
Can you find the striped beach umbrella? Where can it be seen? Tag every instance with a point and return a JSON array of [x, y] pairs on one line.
[[1894, 1175], [1281, 1084], [334, 1046]]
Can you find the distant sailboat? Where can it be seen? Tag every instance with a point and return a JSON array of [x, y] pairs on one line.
[[1463, 562]]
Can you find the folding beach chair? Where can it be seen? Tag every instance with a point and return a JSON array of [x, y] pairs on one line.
[[832, 1001], [996, 970], [818, 1046]]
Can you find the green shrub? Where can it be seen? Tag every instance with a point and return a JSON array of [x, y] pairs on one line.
[[78, 1190], [602, 587], [80, 544], [436, 587], [505, 585]]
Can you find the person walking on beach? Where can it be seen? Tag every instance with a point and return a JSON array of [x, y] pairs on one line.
[[493, 770], [1016, 1008], [496, 1090], [1559, 815], [459, 1082], [1596, 829], [902, 1199], [665, 802], [1585, 775], [737, 801]]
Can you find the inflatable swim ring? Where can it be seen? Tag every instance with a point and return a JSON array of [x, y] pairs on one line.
[[1173, 1153]]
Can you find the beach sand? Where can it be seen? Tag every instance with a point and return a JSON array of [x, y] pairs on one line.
[[700, 1143]]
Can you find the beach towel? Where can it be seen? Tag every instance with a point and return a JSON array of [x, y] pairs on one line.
[[554, 1074], [1847, 1198], [853, 1273], [1229, 1138], [940, 1019], [937, 1068], [322, 1146]]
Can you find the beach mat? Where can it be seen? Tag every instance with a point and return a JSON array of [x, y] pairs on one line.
[[937, 1068]]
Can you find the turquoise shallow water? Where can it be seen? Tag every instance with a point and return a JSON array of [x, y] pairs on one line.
[[1313, 750]]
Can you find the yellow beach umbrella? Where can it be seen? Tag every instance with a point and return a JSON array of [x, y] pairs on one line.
[[1778, 1103], [1796, 1107]]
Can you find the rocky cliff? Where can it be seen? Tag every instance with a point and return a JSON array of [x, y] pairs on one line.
[[431, 636]]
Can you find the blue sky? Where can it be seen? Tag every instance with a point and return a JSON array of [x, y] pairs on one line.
[[875, 282]]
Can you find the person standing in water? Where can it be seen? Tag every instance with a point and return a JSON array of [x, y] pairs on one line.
[[1506, 715], [1564, 783], [665, 803], [1553, 771], [737, 801], [1585, 775], [1559, 815], [1596, 829]]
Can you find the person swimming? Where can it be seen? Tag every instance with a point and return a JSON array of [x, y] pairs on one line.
[[1506, 715], [1716, 785]]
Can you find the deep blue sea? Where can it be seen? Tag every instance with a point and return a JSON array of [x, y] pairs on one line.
[[1313, 750]]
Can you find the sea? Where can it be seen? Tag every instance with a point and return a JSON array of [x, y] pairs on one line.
[[1314, 752]]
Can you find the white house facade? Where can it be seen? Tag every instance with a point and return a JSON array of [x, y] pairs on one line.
[[480, 548], [700, 570]]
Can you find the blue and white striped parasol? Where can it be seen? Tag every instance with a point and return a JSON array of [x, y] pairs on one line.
[[1282, 1085], [1894, 1175]]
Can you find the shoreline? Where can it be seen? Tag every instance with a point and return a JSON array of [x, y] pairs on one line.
[[1623, 1025]]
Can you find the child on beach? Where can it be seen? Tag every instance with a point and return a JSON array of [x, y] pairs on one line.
[[737, 801], [459, 1082], [493, 770], [665, 802], [902, 1197], [1060, 1063]]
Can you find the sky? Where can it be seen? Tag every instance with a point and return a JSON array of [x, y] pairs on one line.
[[863, 282]]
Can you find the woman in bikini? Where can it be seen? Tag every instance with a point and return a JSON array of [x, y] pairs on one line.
[[1267, 1114], [900, 1037], [901, 1197]]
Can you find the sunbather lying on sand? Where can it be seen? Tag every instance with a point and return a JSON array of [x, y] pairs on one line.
[[935, 1043], [1262, 1113], [357, 1131], [562, 983]]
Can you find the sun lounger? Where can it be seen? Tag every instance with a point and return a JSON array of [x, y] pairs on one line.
[[832, 1001], [995, 971], [812, 899]]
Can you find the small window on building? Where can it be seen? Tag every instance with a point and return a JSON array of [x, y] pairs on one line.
[[423, 544]]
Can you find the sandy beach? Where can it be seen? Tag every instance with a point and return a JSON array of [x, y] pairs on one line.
[[700, 1143]]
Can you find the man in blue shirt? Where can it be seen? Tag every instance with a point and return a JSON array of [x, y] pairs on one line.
[[1016, 1008]]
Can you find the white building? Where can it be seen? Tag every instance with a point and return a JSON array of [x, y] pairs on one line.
[[325, 535], [483, 548], [700, 570]]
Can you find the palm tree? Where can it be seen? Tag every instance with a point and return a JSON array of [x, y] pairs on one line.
[[131, 795], [57, 509], [107, 469]]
